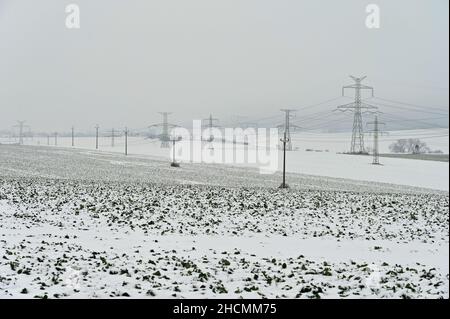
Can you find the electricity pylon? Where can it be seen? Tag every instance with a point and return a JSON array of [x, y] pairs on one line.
[[357, 144], [164, 137], [113, 136], [376, 132], [287, 126], [211, 123], [21, 126]]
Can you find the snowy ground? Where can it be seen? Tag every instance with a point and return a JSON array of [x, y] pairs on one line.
[[79, 223], [324, 157]]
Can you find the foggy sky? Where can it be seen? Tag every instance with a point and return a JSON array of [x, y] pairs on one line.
[[134, 58]]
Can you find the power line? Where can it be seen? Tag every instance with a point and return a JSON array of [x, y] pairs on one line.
[[324, 124], [320, 124], [409, 109], [316, 116], [320, 103], [413, 120], [420, 137], [413, 105], [303, 108]]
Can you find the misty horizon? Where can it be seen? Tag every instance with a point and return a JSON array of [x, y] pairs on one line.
[[241, 61]]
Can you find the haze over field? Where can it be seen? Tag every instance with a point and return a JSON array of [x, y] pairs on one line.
[[131, 59]]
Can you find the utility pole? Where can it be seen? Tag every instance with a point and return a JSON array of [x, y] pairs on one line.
[[73, 136], [174, 162], [287, 127], [48, 139], [126, 141], [96, 136], [56, 138], [376, 131], [284, 140], [112, 137], [357, 144]]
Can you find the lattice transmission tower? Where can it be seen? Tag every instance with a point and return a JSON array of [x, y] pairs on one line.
[[357, 107], [211, 123], [376, 133], [114, 133], [21, 125], [164, 137]]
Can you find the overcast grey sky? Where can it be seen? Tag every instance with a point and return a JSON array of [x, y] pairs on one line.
[[133, 58]]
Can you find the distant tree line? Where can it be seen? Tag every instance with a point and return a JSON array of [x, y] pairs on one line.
[[411, 145]]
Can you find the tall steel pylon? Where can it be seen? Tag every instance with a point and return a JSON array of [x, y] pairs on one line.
[[287, 128], [164, 137], [21, 126], [376, 132], [357, 144], [211, 123], [113, 135]]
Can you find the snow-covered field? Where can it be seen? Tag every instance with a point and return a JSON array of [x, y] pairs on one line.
[[80, 223], [323, 158]]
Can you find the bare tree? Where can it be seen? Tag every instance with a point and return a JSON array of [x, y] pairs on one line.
[[410, 145]]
